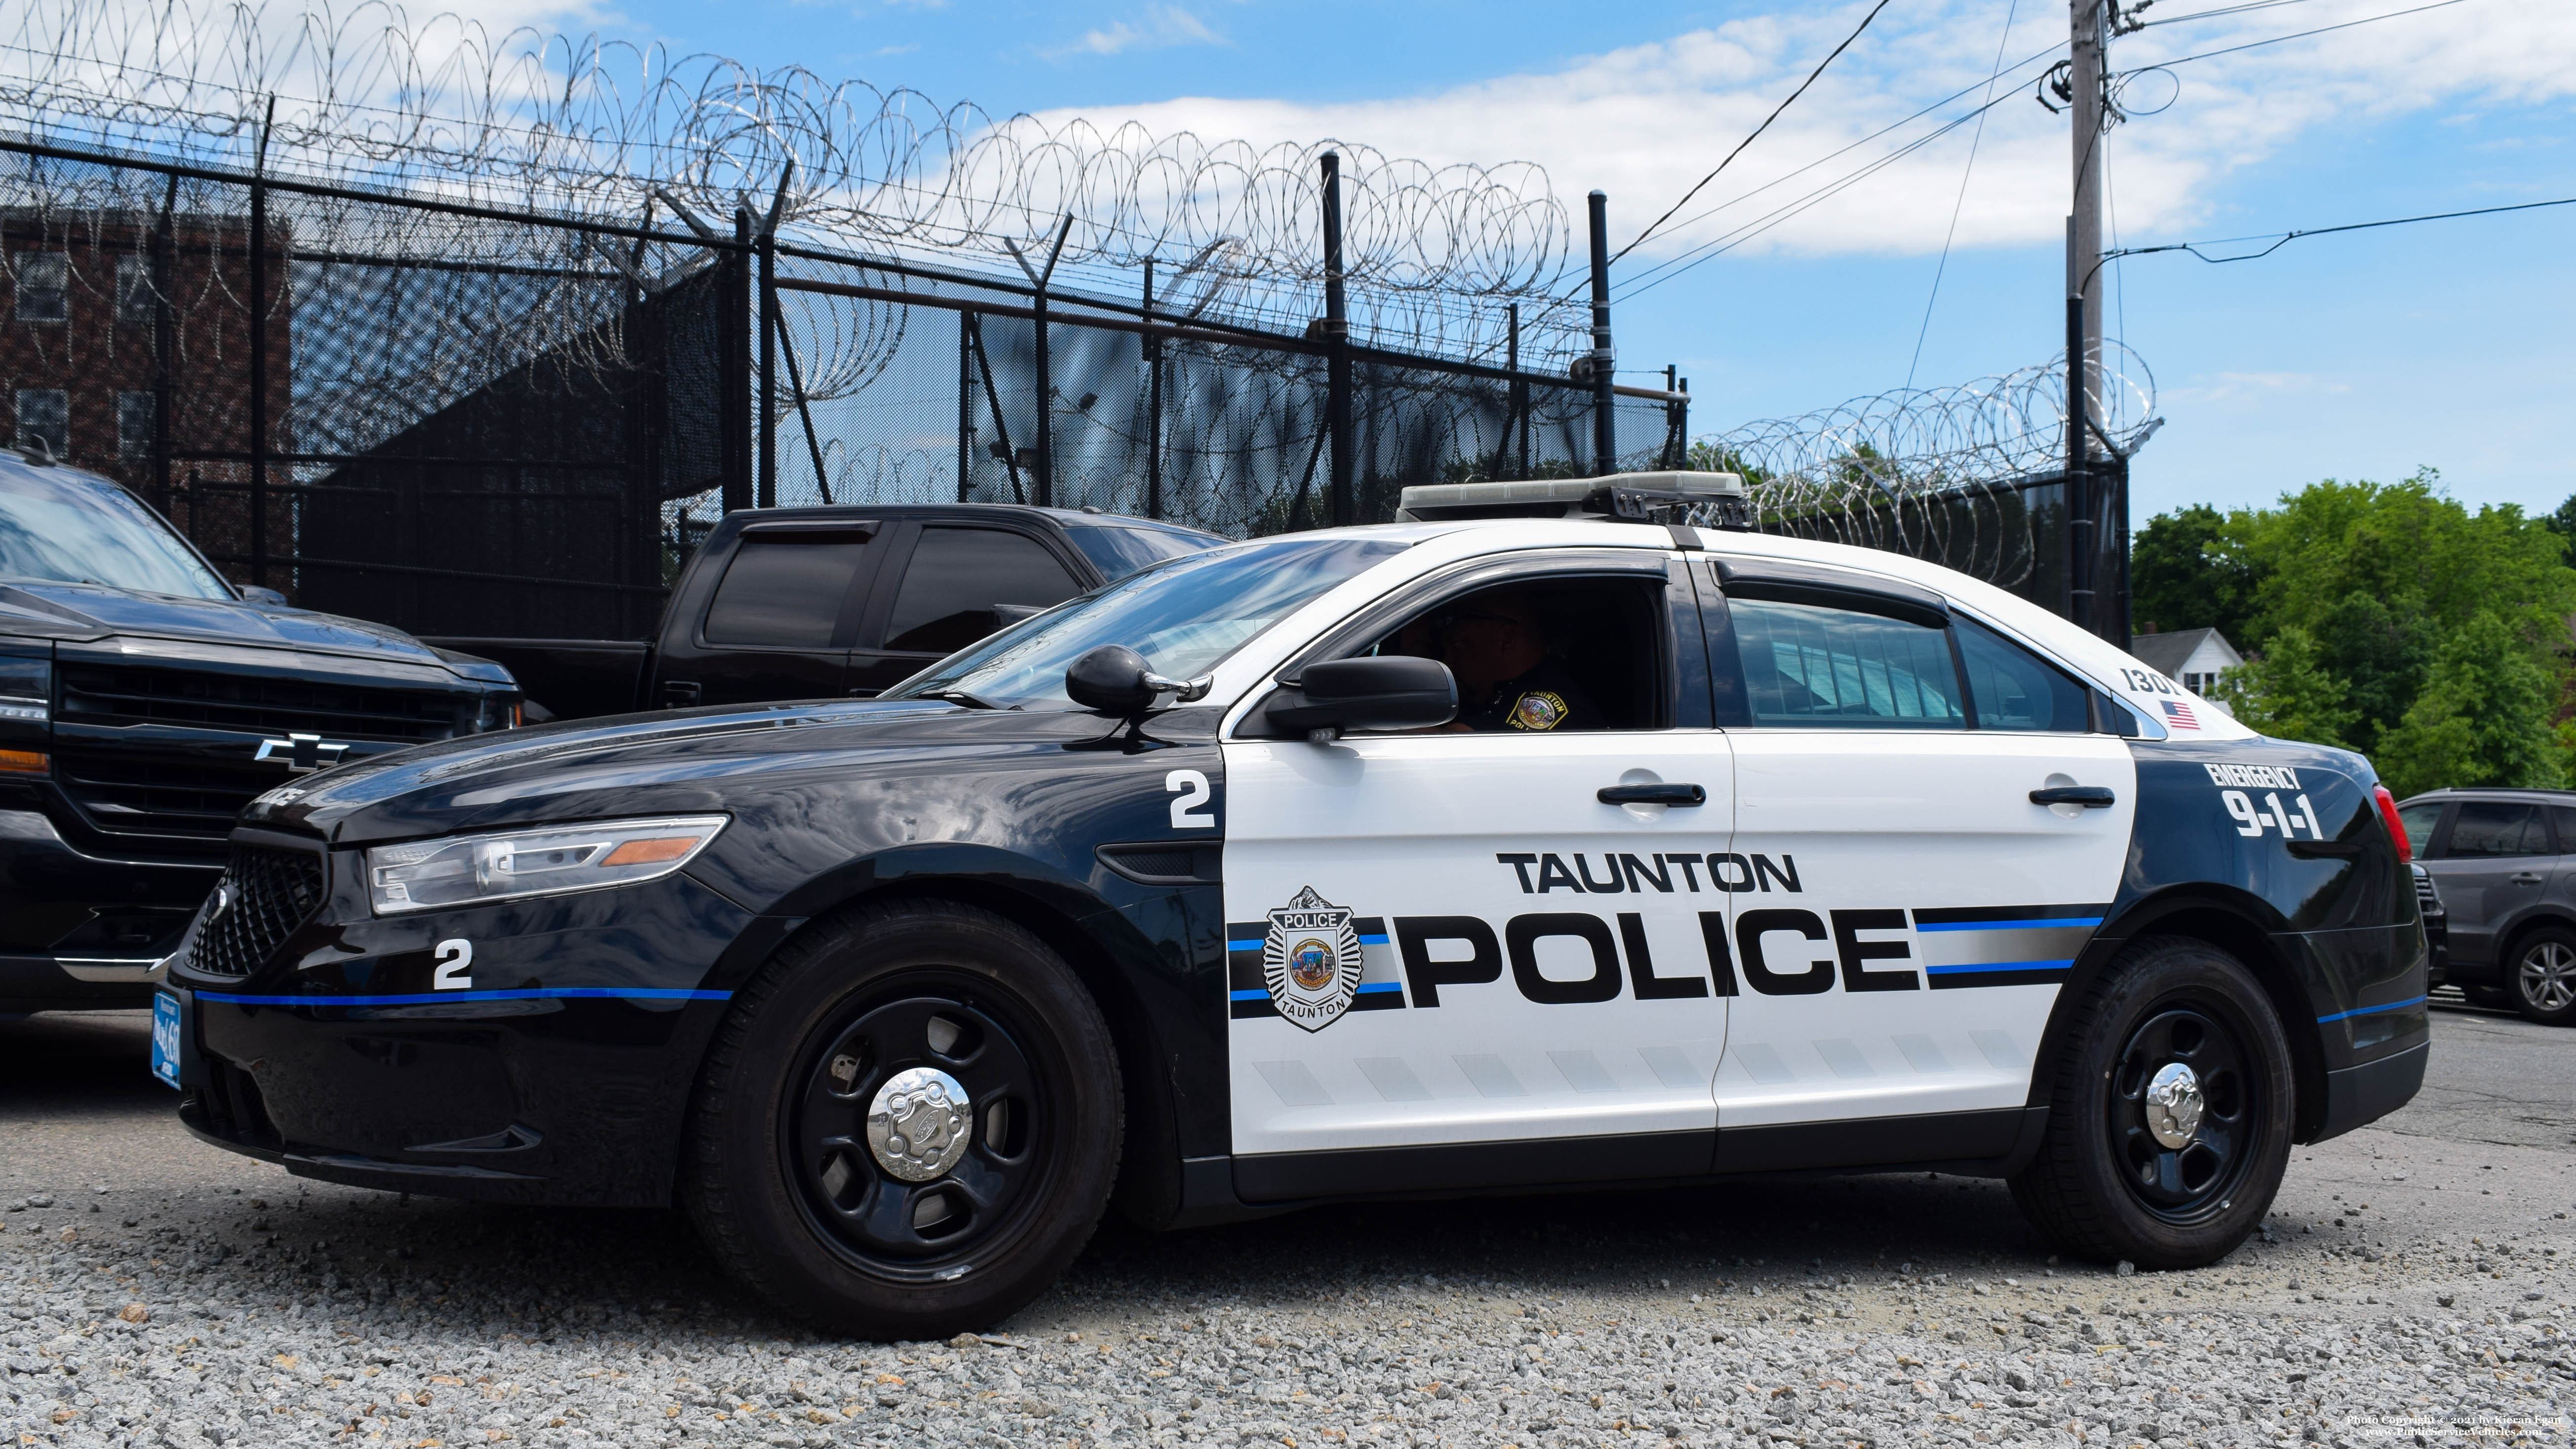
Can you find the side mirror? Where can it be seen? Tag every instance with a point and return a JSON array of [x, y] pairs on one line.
[[1115, 679], [1388, 692], [254, 594]]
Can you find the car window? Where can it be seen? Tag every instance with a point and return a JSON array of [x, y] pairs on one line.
[[2419, 820], [1118, 551], [2564, 816], [1812, 665], [785, 590], [75, 529], [1547, 656], [2014, 689], [2497, 827], [956, 578]]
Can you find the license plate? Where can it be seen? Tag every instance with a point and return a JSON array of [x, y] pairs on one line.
[[169, 1022]]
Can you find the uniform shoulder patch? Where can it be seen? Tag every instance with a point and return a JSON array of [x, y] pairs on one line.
[[1539, 709], [1310, 960]]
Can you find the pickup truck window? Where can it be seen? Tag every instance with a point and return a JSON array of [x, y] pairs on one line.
[[785, 591], [958, 575], [81, 530], [1118, 551]]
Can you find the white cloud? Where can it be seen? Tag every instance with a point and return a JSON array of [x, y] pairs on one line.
[[1159, 27], [1643, 123]]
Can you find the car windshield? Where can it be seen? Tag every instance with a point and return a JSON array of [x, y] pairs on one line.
[[1183, 616], [76, 530], [1117, 550]]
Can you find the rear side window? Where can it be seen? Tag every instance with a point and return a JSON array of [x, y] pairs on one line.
[[786, 590], [957, 579], [2013, 689], [2565, 818], [2497, 827], [2419, 820], [1808, 664], [1118, 551]]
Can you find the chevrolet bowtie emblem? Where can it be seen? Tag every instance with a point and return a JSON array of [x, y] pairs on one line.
[[301, 754]]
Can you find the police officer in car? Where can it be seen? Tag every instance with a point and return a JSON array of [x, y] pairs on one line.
[[1495, 647]]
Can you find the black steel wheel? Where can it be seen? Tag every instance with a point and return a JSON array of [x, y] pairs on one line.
[[2543, 980], [2170, 1103], [909, 1123]]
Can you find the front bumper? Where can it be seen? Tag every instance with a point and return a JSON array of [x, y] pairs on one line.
[[80, 931], [557, 1071]]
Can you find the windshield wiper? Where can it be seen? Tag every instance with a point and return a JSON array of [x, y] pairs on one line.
[[966, 697]]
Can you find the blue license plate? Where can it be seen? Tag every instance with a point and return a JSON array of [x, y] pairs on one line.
[[169, 1020]]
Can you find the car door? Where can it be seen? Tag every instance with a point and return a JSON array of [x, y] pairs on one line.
[[2492, 867], [956, 584], [1535, 964], [1901, 910], [778, 623]]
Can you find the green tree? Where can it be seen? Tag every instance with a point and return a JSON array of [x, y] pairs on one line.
[[2287, 692], [2482, 718], [2191, 569], [2563, 523], [2379, 655]]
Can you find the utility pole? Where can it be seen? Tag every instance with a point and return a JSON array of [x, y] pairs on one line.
[[1605, 417], [2084, 311]]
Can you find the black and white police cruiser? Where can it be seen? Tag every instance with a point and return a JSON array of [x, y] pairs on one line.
[[1517, 844]]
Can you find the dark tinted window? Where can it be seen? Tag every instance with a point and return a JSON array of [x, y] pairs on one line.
[[2496, 827], [1118, 551], [2419, 820], [958, 575], [2014, 689], [1805, 664], [785, 590], [2565, 818]]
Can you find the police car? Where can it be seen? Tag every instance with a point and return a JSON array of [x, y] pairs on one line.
[[1523, 843]]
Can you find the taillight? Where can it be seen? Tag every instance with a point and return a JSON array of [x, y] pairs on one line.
[[2396, 826]]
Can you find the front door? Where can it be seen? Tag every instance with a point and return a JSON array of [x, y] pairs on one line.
[[1532, 961], [2492, 868], [1902, 912]]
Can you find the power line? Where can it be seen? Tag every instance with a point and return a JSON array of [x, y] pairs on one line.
[[2282, 239], [2304, 34], [1961, 204], [1757, 131], [2212, 14]]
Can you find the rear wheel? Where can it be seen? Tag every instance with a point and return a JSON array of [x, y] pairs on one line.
[[908, 1124], [2169, 1111], [2543, 979]]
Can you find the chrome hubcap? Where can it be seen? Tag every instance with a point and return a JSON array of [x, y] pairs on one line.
[[920, 1124], [2548, 976], [2173, 1105]]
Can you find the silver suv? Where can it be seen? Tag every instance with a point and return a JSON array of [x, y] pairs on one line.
[[2504, 862]]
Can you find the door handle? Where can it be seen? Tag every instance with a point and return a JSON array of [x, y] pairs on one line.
[[2091, 797], [679, 693], [1653, 795], [2525, 878]]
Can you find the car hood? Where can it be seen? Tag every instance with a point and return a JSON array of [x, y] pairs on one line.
[[673, 762], [61, 610]]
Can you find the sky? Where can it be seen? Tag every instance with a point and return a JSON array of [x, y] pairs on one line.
[[2364, 355]]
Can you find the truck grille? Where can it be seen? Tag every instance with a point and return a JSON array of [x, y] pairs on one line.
[[145, 792], [265, 895], [131, 694]]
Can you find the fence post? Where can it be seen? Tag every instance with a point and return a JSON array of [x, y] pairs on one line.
[[1605, 419], [1337, 358], [2079, 502], [965, 404], [733, 365], [1515, 396], [164, 241], [259, 352], [1153, 403], [767, 495]]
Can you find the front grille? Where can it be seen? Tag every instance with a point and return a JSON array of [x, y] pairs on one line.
[[130, 694], [147, 792], [265, 895]]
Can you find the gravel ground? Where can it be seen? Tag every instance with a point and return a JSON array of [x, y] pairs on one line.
[[2413, 1287]]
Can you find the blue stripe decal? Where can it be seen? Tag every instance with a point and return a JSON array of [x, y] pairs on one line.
[[1247, 996], [2374, 1010], [1367, 940], [2032, 925], [1368, 987], [537, 993], [2001, 966], [1252, 945]]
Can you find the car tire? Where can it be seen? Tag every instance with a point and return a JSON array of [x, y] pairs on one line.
[[2117, 1177], [2542, 977], [828, 1163]]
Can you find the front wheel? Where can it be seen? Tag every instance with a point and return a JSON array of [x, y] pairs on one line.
[[2544, 976], [908, 1124], [2169, 1111]]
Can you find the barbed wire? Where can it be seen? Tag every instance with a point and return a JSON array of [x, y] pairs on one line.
[[591, 129]]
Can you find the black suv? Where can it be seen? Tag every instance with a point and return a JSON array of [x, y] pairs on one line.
[[2504, 862], [143, 702]]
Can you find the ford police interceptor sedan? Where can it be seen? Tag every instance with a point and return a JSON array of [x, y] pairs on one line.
[[1456, 855]]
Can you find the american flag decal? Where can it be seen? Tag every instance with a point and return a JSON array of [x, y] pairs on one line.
[[2180, 714]]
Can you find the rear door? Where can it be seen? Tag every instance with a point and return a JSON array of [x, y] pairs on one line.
[[2492, 867], [1901, 911], [778, 622], [957, 583]]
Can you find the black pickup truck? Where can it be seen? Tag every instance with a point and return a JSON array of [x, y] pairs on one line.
[[809, 603], [143, 702]]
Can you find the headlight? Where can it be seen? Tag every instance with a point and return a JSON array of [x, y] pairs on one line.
[[496, 712], [470, 870], [26, 689]]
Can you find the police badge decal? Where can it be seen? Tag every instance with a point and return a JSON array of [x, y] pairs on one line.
[[1310, 959]]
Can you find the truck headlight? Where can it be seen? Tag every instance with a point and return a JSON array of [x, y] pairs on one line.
[[470, 870]]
